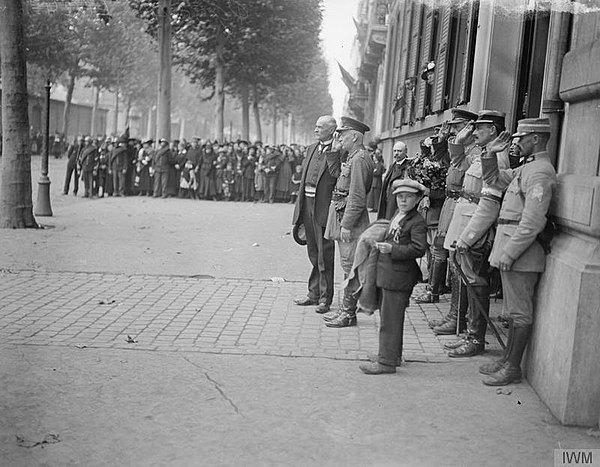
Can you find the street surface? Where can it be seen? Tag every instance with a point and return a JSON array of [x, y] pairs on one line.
[[141, 331]]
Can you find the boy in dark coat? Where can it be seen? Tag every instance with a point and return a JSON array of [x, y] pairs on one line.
[[398, 272]]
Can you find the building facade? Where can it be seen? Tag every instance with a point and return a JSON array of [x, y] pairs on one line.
[[527, 60]]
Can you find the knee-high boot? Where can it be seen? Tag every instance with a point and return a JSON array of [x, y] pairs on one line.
[[511, 370], [458, 305], [479, 303], [493, 367]]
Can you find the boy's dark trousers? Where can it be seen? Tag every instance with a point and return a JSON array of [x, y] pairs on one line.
[[391, 330]]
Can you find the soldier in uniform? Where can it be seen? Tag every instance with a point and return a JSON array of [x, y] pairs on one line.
[[348, 215], [472, 251], [73, 156], [89, 165], [162, 163], [312, 207], [517, 252], [119, 160]]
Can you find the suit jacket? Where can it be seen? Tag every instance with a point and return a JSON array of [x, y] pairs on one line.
[[384, 211], [89, 159], [325, 185], [399, 270]]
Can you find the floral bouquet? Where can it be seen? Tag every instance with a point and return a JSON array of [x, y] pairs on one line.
[[430, 173]]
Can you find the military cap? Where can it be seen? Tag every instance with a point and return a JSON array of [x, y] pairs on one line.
[[491, 116], [163, 140], [88, 139], [532, 125], [299, 234], [148, 141], [407, 185], [462, 116], [352, 124]]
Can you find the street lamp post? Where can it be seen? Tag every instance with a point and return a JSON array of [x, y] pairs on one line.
[[43, 207]]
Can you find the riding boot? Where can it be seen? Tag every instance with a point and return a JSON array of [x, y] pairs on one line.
[[493, 367], [458, 305], [511, 370], [346, 314], [437, 277], [479, 303]]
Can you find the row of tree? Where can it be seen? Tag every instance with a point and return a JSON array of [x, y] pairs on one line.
[[265, 53]]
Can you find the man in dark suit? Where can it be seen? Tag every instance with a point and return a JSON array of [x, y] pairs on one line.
[[163, 160], [312, 207], [73, 156], [399, 169]]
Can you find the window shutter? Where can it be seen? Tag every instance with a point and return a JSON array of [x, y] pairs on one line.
[[404, 42], [441, 60], [467, 70], [411, 72], [424, 58]]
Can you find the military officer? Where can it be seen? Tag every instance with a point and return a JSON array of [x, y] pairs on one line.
[[348, 215], [516, 252], [472, 256], [89, 165]]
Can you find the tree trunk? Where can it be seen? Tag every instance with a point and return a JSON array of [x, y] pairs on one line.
[[274, 123], [116, 117], [16, 205], [163, 113], [127, 113], [256, 112], [149, 125], [67, 107], [220, 89], [95, 112], [291, 135], [245, 97]]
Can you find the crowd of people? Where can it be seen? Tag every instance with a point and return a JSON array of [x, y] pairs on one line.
[[200, 169], [475, 193]]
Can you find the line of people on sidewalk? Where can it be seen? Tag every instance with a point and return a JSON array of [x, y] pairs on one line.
[[470, 195], [234, 171]]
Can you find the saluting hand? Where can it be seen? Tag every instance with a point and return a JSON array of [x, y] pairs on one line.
[[463, 135], [500, 143]]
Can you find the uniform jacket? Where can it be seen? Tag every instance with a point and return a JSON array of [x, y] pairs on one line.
[[529, 191], [89, 158], [73, 154], [394, 172], [163, 160], [356, 177], [399, 270], [463, 211], [119, 158], [325, 184]]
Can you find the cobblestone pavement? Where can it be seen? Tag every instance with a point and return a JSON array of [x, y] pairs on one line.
[[170, 313]]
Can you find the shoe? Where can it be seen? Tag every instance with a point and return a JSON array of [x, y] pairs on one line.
[[322, 308], [306, 301], [456, 344], [374, 358], [469, 349], [428, 297], [344, 320], [509, 373], [376, 369], [331, 315], [492, 367], [448, 328]]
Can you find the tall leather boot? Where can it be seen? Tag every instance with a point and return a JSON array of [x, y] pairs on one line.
[[437, 277], [346, 315], [455, 321], [493, 367], [456, 303], [479, 302], [511, 370]]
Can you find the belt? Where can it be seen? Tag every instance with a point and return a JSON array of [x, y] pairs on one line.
[[492, 197], [491, 193], [454, 194], [310, 191], [470, 197], [508, 222]]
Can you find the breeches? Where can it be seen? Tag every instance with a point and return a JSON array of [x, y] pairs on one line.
[[519, 292]]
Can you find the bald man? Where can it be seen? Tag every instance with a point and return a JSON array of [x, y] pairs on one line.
[[399, 169], [312, 207]]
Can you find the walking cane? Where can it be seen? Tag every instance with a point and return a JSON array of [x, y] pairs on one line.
[[485, 315]]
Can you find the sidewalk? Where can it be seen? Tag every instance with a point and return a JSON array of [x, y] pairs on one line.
[[145, 332]]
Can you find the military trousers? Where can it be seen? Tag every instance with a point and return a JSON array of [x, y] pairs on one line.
[[518, 288]]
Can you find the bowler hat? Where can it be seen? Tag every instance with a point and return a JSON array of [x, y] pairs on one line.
[[299, 234], [532, 125], [407, 185], [491, 117], [462, 116], [352, 124]]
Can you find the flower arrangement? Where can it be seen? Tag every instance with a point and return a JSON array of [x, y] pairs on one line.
[[430, 173]]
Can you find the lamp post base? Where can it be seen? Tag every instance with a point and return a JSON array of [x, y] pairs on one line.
[[43, 207]]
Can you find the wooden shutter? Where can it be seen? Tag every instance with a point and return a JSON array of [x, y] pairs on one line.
[[467, 70], [441, 60], [403, 67], [411, 72], [423, 59]]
